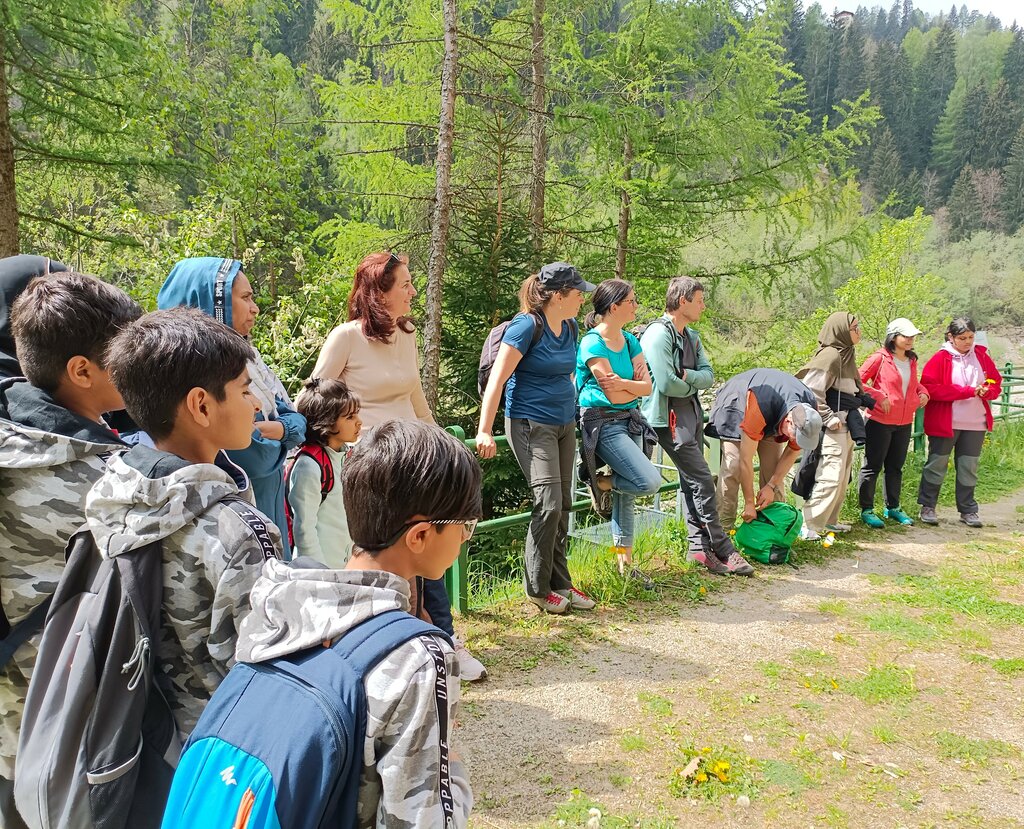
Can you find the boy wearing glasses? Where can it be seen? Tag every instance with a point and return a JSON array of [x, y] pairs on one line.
[[412, 496]]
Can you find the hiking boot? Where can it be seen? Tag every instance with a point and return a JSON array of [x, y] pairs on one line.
[[807, 534], [711, 561], [838, 527], [635, 573], [928, 516], [899, 516], [739, 566], [551, 603], [601, 494], [470, 668], [578, 600], [971, 519], [868, 517]]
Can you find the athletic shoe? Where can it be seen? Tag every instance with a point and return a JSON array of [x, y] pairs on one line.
[[601, 494], [971, 519], [646, 582], [551, 603], [928, 516], [868, 517], [739, 566], [711, 561], [578, 600], [470, 668], [807, 534], [838, 527], [899, 516]]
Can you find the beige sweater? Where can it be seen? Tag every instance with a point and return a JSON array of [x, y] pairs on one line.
[[386, 376]]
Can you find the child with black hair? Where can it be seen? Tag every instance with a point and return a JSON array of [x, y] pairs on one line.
[[412, 494], [54, 445], [185, 381], [316, 511]]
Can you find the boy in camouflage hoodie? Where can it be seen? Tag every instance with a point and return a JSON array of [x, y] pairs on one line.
[[184, 380], [54, 446], [412, 496]]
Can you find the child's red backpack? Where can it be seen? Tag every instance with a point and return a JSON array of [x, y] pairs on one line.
[[323, 460]]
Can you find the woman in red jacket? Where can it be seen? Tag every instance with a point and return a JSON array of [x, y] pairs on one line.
[[890, 376], [961, 379]]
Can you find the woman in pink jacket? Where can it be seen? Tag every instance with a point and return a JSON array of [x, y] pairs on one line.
[[961, 379], [890, 376]]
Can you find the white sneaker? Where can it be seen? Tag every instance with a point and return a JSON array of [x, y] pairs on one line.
[[551, 603], [807, 534], [470, 668], [578, 600]]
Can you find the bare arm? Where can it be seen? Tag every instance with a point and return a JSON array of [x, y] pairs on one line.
[[616, 389], [506, 362]]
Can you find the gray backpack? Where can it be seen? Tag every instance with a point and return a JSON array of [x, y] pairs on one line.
[[98, 742]]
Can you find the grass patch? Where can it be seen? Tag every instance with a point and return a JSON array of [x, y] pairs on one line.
[[582, 811], [711, 773], [633, 742], [951, 590], [835, 607], [888, 683], [805, 657], [900, 626], [785, 776], [970, 751], [1006, 667], [654, 704]]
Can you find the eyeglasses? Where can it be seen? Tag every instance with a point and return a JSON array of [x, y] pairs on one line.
[[468, 528]]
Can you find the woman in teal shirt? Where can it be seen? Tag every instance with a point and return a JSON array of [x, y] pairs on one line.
[[611, 376]]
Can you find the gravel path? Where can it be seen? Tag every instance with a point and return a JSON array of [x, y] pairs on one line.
[[609, 703]]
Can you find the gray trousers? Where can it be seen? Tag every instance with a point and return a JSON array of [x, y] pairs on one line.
[[545, 454], [697, 485], [9, 817], [966, 446]]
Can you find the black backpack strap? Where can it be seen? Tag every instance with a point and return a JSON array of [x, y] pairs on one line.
[[23, 631], [256, 521]]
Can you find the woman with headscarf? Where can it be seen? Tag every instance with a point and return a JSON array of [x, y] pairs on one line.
[[961, 379], [834, 378], [219, 288]]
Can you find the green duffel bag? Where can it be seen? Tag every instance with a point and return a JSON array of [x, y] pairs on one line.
[[769, 537]]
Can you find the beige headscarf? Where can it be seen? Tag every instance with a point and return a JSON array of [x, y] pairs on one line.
[[836, 353]]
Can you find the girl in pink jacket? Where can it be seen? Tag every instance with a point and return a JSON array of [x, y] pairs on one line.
[[890, 376]]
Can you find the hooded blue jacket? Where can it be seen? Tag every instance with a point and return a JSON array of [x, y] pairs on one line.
[[205, 283]]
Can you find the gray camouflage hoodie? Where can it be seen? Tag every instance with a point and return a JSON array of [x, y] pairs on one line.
[[49, 459], [295, 608], [211, 560]]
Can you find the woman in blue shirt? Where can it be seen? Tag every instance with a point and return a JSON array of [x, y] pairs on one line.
[[540, 409], [612, 376]]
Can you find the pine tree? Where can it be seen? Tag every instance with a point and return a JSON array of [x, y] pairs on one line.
[[1013, 67], [851, 78], [999, 121], [884, 176], [891, 89], [964, 207], [821, 64], [1013, 186], [936, 77], [967, 130]]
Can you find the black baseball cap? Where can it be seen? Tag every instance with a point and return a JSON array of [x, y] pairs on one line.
[[558, 276]]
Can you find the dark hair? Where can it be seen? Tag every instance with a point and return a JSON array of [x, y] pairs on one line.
[[404, 468], [610, 292], [157, 360], [322, 402], [890, 346], [960, 325], [63, 316], [375, 276], [680, 288], [533, 296]]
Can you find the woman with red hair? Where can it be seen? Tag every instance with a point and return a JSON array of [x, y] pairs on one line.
[[375, 354]]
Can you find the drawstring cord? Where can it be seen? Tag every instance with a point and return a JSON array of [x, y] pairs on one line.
[[139, 662]]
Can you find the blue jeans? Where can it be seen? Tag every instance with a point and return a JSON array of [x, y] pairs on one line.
[[634, 475]]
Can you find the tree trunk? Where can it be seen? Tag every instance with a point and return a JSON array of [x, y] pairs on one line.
[[538, 133], [8, 194], [622, 242], [442, 207]]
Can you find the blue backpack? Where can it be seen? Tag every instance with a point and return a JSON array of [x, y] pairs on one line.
[[280, 744]]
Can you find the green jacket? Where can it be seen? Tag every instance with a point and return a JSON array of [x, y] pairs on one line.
[[659, 349]]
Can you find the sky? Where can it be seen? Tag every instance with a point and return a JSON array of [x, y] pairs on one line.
[[1006, 10]]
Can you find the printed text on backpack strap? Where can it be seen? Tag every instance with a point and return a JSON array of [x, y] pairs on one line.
[[441, 700], [24, 630], [257, 524], [220, 289]]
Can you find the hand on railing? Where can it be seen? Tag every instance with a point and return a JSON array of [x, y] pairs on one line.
[[485, 445]]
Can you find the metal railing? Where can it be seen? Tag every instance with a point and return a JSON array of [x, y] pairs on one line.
[[1008, 406]]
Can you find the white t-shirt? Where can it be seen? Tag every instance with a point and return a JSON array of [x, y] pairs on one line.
[[903, 367]]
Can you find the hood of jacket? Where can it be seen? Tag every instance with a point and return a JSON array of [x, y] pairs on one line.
[[203, 282], [299, 605], [36, 431], [950, 349], [147, 495], [15, 274]]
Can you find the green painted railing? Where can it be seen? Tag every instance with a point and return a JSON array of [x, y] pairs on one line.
[[457, 577]]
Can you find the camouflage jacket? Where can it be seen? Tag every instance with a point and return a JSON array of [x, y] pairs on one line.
[[49, 459], [211, 560], [294, 609]]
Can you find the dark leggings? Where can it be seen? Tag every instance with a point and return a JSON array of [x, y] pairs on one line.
[[436, 603], [886, 447]]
